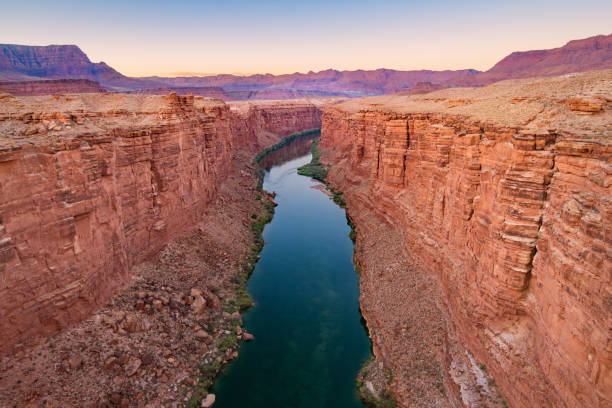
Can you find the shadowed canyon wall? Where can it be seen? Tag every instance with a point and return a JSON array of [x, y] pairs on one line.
[[504, 195], [91, 185]]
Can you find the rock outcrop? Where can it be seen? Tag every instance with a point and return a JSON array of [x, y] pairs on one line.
[[503, 193], [51, 87], [259, 124], [91, 185]]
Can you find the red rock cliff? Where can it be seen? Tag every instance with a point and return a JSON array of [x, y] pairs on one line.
[[259, 124], [503, 193], [90, 185]]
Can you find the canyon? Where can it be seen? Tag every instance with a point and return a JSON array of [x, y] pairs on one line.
[[92, 185], [483, 236], [483, 221]]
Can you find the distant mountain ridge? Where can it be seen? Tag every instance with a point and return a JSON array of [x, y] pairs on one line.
[[23, 63], [575, 56], [359, 82]]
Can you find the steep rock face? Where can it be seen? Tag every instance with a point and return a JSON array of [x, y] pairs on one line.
[[94, 184], [78, 213], [51, 87], [511, 216], [260, 124]]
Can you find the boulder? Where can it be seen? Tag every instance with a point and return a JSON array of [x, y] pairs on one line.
[[208, 401], [132, 366], [199, 304]]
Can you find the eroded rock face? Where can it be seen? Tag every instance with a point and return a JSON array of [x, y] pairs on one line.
[[512, 218], [91, 185], [260, 124]]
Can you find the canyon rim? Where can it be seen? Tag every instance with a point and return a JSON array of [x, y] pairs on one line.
[[134, 210]]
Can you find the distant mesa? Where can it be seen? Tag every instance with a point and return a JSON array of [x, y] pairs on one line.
[[21, 63]]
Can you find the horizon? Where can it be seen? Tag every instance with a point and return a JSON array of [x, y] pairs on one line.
[[278, 38]]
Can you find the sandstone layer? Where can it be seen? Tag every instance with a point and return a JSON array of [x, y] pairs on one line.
[[51, 87], [503, 194], [91, 185]]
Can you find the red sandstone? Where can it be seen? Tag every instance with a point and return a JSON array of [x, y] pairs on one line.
[[503, 194], [499, 198], [91, 185]]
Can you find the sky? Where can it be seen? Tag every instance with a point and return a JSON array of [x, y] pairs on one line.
[[141, 38]]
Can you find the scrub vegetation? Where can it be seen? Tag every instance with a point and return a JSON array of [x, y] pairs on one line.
[[315, 168], [260, 172]]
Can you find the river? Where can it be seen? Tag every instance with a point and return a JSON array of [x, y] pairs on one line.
[[309, 342]]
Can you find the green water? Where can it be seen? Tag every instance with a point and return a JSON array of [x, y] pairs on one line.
[[309, 343]]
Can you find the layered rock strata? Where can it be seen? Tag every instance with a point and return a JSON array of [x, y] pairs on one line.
[[51, 87], [502, 193], [91, 185], [259, 124]]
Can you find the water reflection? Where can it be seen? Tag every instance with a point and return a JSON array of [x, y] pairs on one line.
[[295, 148]]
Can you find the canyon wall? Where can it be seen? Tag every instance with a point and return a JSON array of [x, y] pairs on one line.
[[91, 185], [260, 124], [503, 193]]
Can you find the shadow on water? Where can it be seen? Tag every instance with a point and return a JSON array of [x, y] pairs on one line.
[[292, 150], [309, 340]]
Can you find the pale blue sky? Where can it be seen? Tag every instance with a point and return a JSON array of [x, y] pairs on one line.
[[237, 36]]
